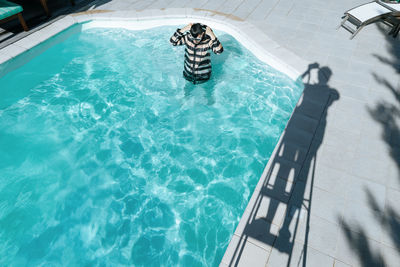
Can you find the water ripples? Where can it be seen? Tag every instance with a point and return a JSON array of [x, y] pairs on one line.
[[110, 158]]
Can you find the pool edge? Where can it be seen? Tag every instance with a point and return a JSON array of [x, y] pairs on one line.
[[293, 63], [247, 34]]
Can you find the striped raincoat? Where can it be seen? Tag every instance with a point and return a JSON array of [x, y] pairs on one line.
[[197, 68]]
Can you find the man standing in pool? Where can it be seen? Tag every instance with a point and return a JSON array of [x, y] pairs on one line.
[[198, 39]]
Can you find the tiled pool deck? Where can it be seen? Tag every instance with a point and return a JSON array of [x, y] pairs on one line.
[[330, 194]]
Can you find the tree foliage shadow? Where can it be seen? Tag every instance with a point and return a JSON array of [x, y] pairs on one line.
[[288, 175], [387, 115]]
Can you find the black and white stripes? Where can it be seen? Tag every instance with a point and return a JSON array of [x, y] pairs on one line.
[[197, 66]]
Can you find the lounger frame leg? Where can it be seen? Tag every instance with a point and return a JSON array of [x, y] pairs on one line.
[[22, 21], [343, 22], [357, 31], [396, 31]]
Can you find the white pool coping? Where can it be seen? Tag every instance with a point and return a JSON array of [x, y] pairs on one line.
[[246, 33]]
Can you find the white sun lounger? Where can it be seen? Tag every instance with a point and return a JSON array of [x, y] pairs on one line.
[[394, 18], [393, 7], [365, 14]]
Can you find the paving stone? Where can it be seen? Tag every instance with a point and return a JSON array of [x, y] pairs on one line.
[[310, 109], [316, 56], [245, 8], [314, 19], [285, 169], [257, 231], [262, 10], [361, 66], [303, 122], [278, 188], [327, 205], [393, 177], [300, 49], [299, 137], [121, 5], [296, 254], [341, 139], [350, 104], [394, 138], [391, 257], [292, 152], [270, 210], [363, 219], [341, 160], [194, 3], [372, 130], [372, 169], [348, 121], [279, 21], [340, 264], [393, 200], [264, 207], [374, 148], [346, 88], [295, 222], [318, 233], [365, 192], [327, 179], [212, 5], [391, 220], [379, 97], [334, 62], [355, 249], [242, 253], [230, 7]]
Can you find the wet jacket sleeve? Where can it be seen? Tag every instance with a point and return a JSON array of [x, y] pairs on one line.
[[216, 46], [178, 38]]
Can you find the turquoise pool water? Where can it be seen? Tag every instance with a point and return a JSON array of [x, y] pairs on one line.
[[110, 158]]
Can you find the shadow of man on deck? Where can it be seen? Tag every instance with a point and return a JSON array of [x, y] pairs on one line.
[[279, 211]]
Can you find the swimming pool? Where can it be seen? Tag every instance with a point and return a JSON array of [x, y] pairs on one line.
[[109, 157]]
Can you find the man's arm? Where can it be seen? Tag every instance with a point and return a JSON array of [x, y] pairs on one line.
[[179, 36], [214, 43]]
